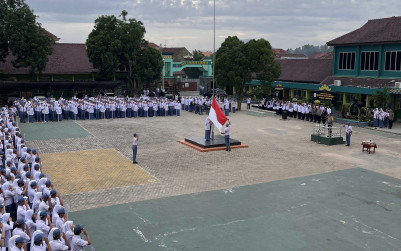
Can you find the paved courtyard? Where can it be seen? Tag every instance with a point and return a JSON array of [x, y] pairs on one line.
[[363, 190]]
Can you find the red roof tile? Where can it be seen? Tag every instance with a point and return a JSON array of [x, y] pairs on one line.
[[384, 30], [323, 55]]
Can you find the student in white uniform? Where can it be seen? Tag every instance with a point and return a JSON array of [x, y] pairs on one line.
[[43, 223], [77, 243], [134, 148], [57, 244], [227, 135], [208, 124], [40, 243]]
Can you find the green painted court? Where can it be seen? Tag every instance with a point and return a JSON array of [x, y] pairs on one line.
[[353, 209], [53, 130]]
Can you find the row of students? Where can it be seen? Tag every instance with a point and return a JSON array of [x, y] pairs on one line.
[[32, 213]]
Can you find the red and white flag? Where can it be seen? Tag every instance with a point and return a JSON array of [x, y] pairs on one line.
[[216, 115]]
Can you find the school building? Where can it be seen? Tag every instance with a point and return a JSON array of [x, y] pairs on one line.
[[364, 61]]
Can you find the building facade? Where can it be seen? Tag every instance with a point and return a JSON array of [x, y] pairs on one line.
[[363, 62]]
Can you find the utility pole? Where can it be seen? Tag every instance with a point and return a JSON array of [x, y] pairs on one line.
[[214, 51], [161, 52]]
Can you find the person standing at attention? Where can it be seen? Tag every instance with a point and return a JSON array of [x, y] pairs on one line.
[[134, 148], [248, 103], [348, 133], [227, 135], [208, 124], [390, 118]]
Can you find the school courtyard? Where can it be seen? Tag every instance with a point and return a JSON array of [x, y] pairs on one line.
[[283, 192]]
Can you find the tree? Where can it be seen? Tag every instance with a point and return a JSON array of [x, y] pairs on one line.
[[150, 65], [191, 71], [236, 61], [22, 36], [308, 49], [115, 44], [382, 98]]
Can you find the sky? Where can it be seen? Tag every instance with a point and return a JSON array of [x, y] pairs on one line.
[[189, 23]]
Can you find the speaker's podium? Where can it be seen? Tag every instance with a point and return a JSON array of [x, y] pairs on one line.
[[327, 135], [216, 144]]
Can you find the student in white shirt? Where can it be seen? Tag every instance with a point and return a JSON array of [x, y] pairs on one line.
[[56, 243], [134, 148], [77, 244]]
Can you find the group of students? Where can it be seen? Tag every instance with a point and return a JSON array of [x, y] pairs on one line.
[[202, 104], [383, 118], [94, 108], [105, 107], [32, 213], [316, 113]]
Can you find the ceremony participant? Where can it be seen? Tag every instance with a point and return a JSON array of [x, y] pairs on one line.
[[134, 148], [40, 243], [330, 121], [248, 103], [390, 119], [348, 133], [226, 107], [208, 124], [57, 244], [233, 105], [22, 230], [227, 135], [77, 243]]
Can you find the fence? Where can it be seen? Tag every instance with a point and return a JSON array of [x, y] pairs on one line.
[[326, 131]]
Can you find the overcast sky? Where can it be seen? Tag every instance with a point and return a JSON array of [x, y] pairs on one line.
[[189, 23]]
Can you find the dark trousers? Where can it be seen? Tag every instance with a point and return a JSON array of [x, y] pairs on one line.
[[227, 140], [248, 106], [207, 135], [348, 138], [390, 124], [134, 151]]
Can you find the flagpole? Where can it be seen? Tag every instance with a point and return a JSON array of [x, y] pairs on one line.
[[214, 50]]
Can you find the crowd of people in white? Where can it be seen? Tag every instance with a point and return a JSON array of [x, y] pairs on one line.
[[105, 107], [32, 212]]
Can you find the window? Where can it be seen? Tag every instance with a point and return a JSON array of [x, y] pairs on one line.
[[393, 61], [369, 61], [346, 61]]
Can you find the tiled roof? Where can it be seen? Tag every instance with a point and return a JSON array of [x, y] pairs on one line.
[[322, 55], [207, 53], [306, 70], [385, 30], [361, 82], [153, 45], [294, 56], [277, 51], [65, 59], [177, 52]]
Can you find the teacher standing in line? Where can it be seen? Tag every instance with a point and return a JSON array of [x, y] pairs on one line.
[[134, 148]]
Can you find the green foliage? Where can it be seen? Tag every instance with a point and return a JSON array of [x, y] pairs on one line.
[[357, 97], [382, 98], [326, 103], [311, 49], [235, 62], [23, 36], [316, 101], [149, 65], [294, 100], [365, 114], [119, 44], [345, 110], [259, 92], [191, 71]]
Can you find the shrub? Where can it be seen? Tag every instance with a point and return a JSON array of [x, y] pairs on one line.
[[345, 109]]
